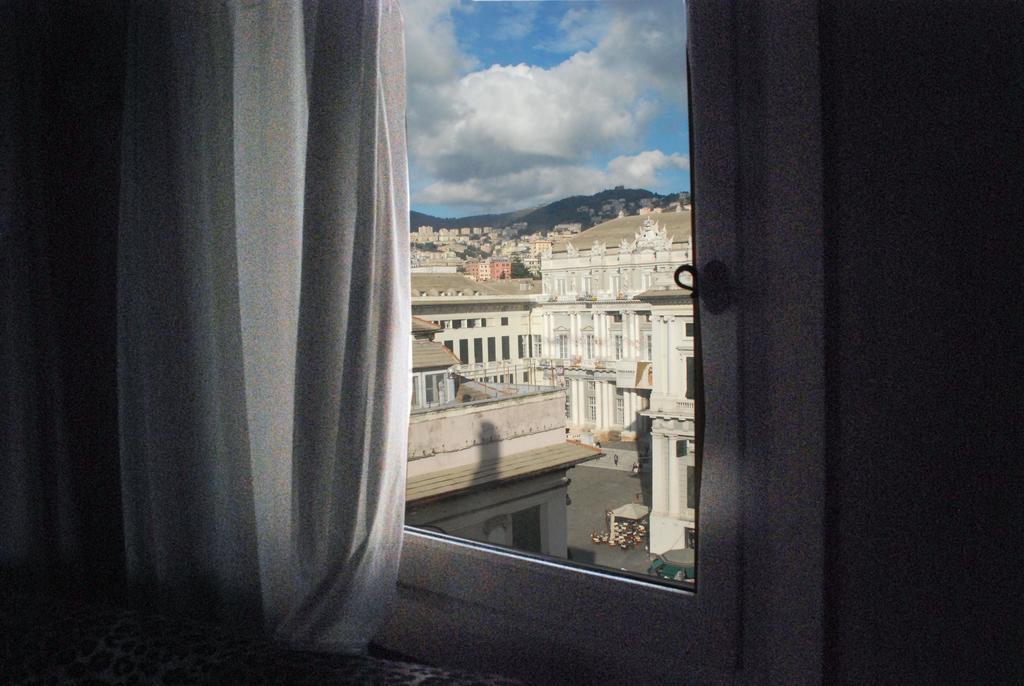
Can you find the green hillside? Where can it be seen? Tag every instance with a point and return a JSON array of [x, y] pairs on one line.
[[585, 209]]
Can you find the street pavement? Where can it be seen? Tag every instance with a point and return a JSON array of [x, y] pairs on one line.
[[593, 491]]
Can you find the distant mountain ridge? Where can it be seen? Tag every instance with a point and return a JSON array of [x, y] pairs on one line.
[[585, 209]]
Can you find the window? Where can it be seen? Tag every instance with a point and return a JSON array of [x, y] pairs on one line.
[[689, 329], [483, 322], [588, 346], [682, 448], [522, 346], [471, 323], [456, 323], [450, 345], [491, 349], [504, 321], [691, 487], [568, 401], [478, 350], [537, 352], [591, 402], [618, 346], [708, 622], [435, 388], [562, 341], [505, 353], [464, 350], [649, 346], [691, 375], [620, 407]]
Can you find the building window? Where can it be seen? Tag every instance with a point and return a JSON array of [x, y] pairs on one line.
[[562, 341], [649, 346], [505, 353], [464, 350], [568, 401], [456, 323], [478, 350], [691, 374], [591, 402], [471, 323], [504, 321], [620, 407], [689, 329], [536, 346], [526, 377], [691, 487], [450, 345], [435, 387], [588, 346], [682, 448], [618, 346], [690, 537], [522, 346], [483, 322], [491, 349]]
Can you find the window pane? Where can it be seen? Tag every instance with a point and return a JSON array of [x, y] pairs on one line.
[[557, 209]]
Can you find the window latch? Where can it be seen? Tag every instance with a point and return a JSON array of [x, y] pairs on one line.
[[712, 286]]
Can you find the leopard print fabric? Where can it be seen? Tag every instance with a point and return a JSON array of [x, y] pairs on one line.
[[44, 641]]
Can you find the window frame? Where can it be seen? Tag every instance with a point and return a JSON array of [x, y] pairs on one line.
[[763, 472]]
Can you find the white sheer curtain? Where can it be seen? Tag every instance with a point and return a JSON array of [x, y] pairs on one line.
[[263, 311]]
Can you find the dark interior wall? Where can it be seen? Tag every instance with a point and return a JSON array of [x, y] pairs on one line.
[[923, 106], [63, 75]]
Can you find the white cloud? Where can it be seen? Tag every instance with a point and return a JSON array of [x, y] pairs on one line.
[[528, 129], [545, 183]]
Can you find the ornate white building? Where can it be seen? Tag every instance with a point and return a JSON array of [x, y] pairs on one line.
[[671, 413], [618, 334]]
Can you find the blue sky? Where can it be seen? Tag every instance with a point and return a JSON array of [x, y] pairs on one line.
[[518, 103]]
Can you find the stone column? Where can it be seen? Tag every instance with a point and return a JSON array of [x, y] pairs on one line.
[[674, 501], [659, 474]]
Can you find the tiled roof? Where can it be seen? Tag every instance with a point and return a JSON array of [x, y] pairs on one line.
[[422, 326], [432, 355], [490, 471], [433, 285]]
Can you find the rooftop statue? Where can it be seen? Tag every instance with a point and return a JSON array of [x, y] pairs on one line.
[[598, 248], [652, 236], [571, 250]]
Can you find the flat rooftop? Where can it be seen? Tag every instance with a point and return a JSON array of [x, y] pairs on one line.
[[490, 471]]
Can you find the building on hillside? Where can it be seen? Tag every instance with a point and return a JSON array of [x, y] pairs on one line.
[[541, 246], [493, 269], [597, 337], [492, 327]]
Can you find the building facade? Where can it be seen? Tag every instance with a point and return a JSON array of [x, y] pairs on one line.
[[598, 335], [493, 328], [618, 336], [671, 414]]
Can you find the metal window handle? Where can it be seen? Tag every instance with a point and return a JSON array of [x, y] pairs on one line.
[[715, 290]]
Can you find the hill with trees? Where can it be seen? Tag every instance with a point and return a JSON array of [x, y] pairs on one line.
[[584, 209]]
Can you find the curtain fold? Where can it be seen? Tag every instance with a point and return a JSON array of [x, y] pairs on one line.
[[262, 323]]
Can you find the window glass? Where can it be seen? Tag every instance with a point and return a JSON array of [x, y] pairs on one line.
[[549, 141]]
